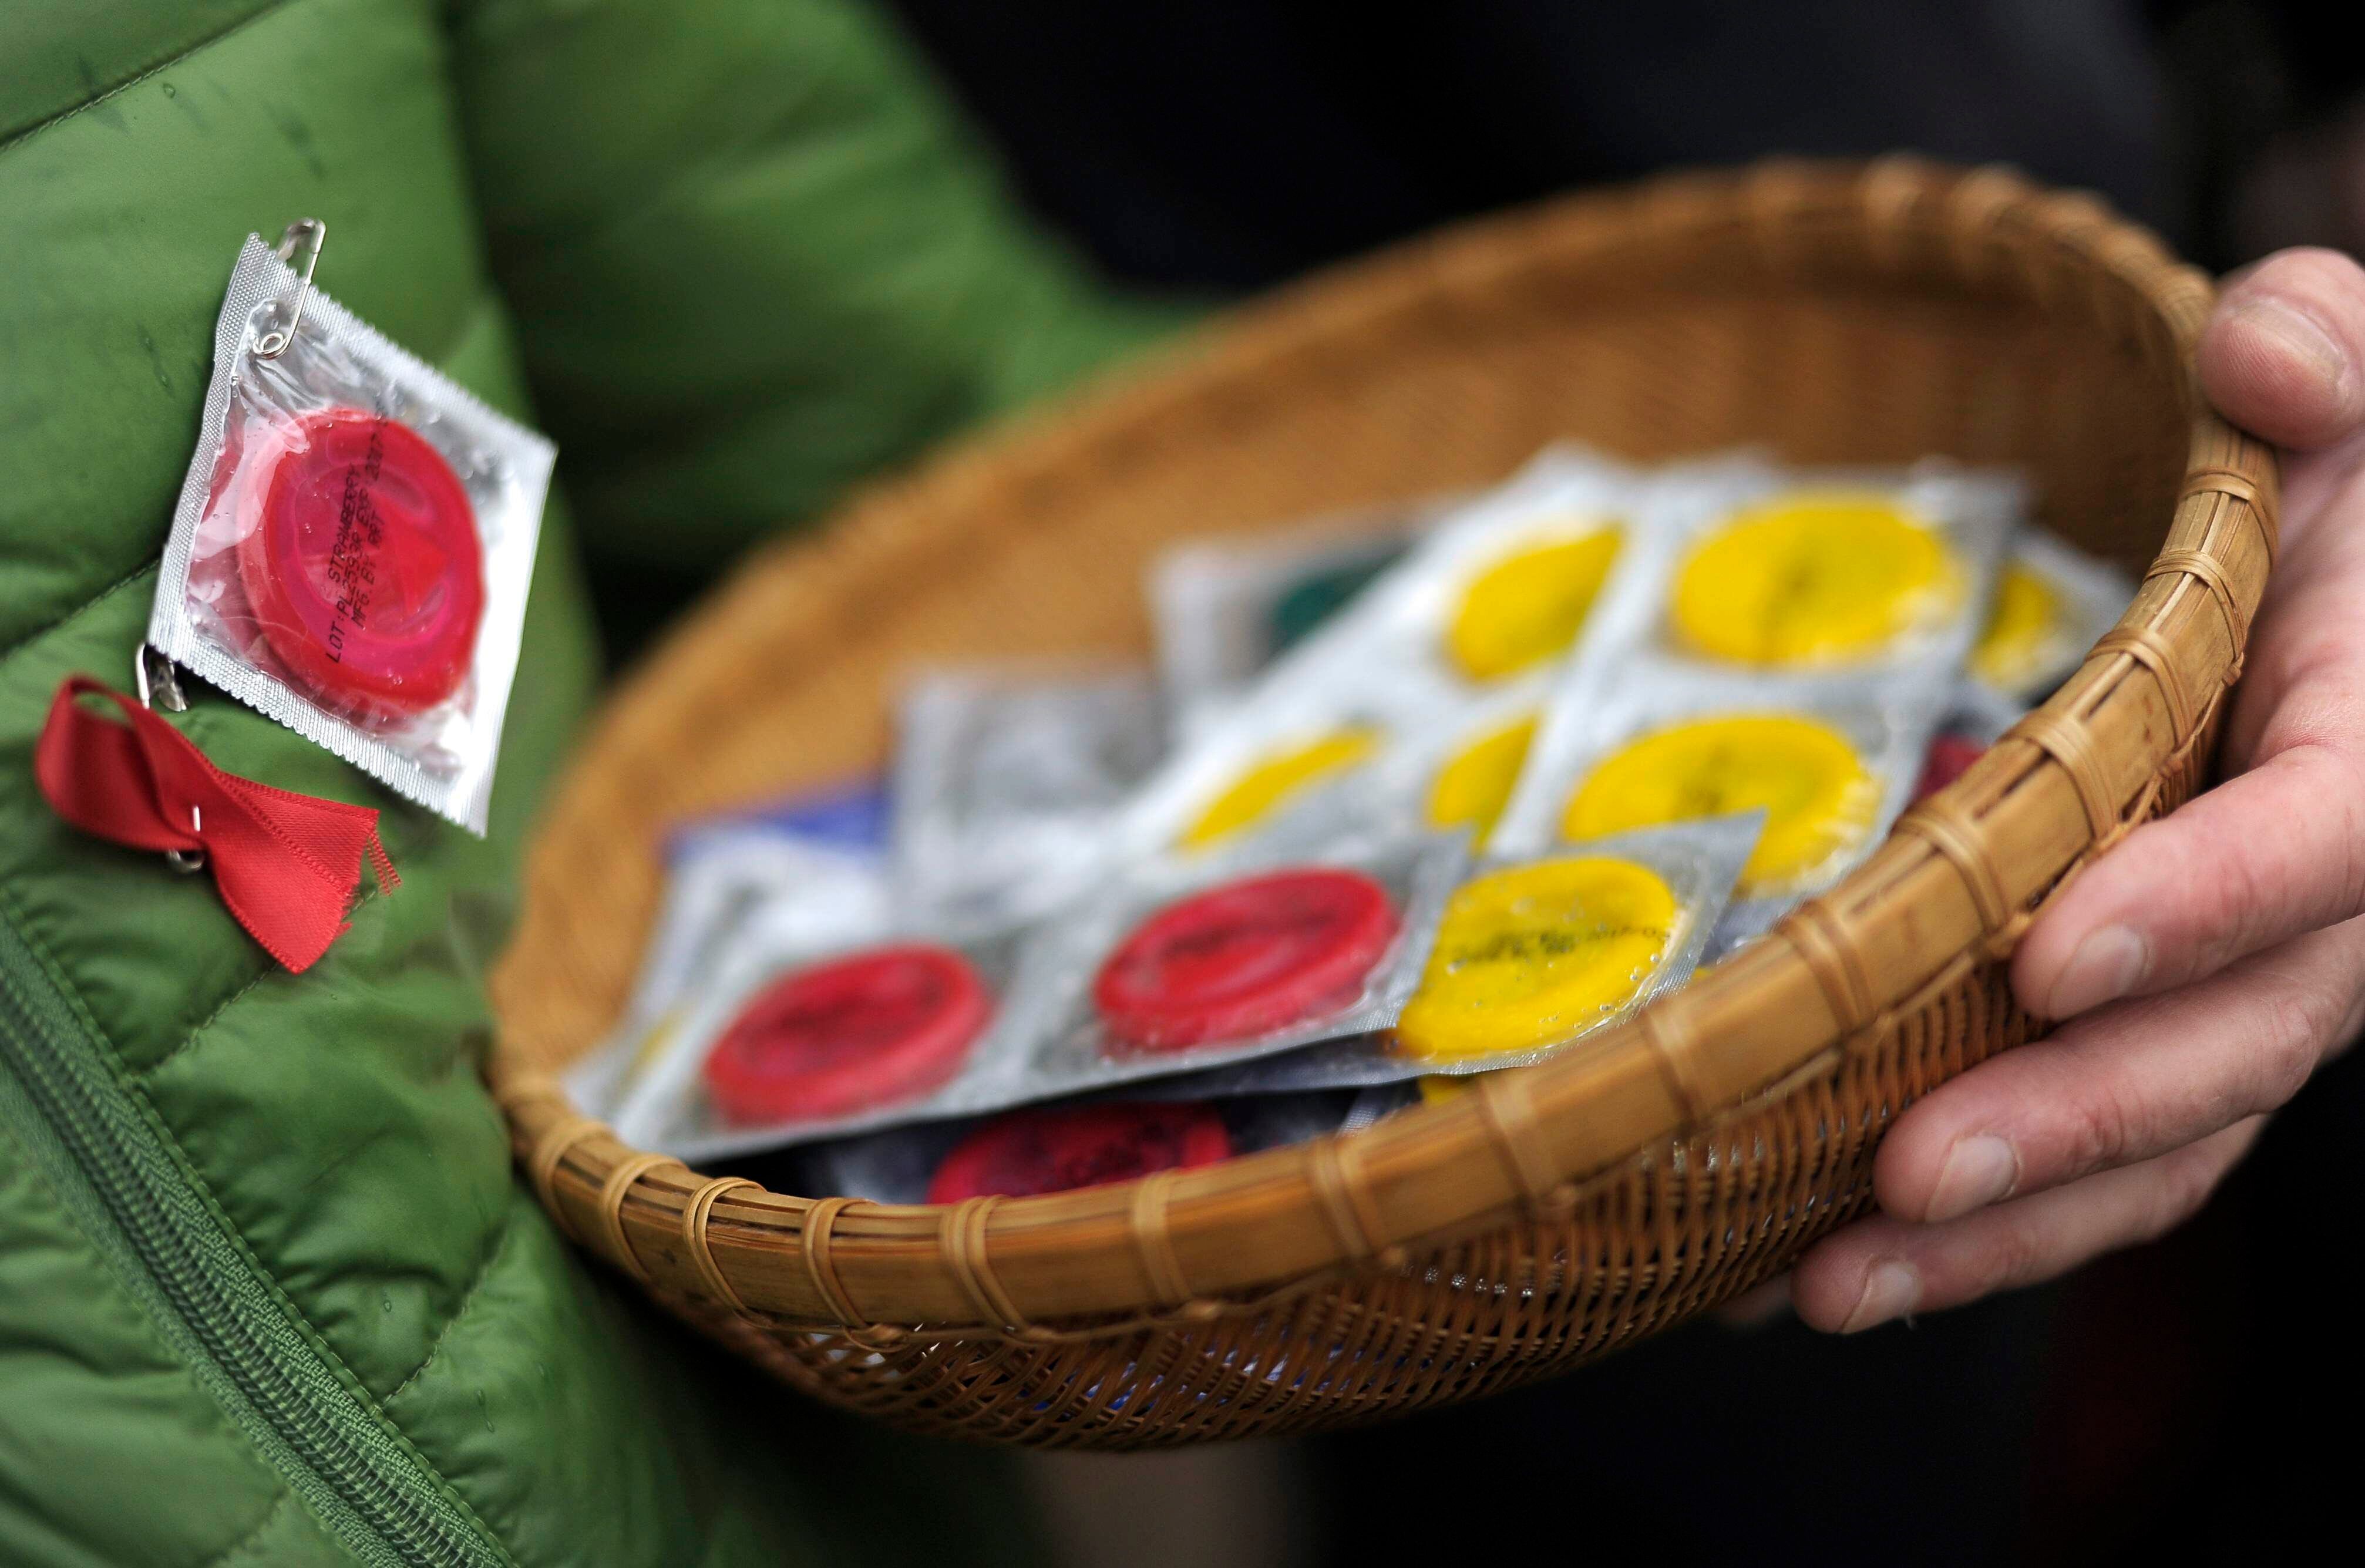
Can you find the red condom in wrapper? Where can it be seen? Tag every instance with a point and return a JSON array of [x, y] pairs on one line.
[[871, 1029], [1061, 1149], [1246, 957], [360, 564], [1949, 758], [354, 545]]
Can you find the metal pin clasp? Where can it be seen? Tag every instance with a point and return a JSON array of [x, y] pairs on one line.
[[274, 344], [156, 682], [159, 686]]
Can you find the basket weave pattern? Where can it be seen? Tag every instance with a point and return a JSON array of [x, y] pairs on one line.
[[1856, 313]]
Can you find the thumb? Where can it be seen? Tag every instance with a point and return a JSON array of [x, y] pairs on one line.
[[2285, 355]]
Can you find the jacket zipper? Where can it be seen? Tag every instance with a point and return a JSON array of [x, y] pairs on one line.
[[142, 1206]]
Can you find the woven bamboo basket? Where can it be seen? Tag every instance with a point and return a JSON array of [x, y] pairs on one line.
[[1857, 313]]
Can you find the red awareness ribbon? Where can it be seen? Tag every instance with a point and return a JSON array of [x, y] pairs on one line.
[[287, 865]]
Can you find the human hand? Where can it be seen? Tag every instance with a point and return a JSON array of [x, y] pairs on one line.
[[2213, 959]]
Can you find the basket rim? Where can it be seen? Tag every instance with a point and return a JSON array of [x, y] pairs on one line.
[[1972, 861]]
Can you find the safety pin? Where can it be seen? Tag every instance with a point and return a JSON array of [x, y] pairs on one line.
[[163, 690], [274, 344]]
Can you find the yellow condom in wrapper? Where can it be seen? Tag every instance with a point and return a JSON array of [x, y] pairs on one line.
[[1818, 796], [1437, 1088], [1275, 779], [2024, 623], [1813, 581], [1534, 954], [1530, 604], [1472, 789]]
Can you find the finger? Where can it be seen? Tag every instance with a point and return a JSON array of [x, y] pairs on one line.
[[1880, 1268], [2281, 848], [2128, 1083], [2264, 856], [2284, 355], [2301, 677], [2278, 849]]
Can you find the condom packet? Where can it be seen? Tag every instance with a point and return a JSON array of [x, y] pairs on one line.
[[1284, 766], [733, 881], [855, 813], [1508, 584], [1621, 746], [1312, 747], [1224, 608], [1979, 713], [2052, 605], [1453, 769], [1462, 1020], [897, 1165], [1138, 981], [1974, 720], [966, 995], [1693, 604], [1978, 718], [1042, 1039], [1007, 780], [354, 543]]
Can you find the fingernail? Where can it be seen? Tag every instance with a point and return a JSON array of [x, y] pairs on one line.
[[2300, 335], [1890, 1288], [1979, 1170], [2107, 964]]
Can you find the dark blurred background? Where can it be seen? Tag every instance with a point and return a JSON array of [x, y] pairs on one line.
[[2192, 1399], [1227, 145]]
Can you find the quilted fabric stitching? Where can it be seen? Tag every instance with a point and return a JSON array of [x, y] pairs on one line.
[[493, 1255], [131, 82]]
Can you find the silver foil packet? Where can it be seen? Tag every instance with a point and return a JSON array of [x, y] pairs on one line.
[[1532, 954], [2052, 605], [1207, 973], [732, 884], [1832, 761], [905, 1165], [1736, 573], [1494, 600], [353, 542], [1007, 783], [1225, 608]]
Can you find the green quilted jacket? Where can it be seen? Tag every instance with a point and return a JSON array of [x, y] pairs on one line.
[[270, 1291]]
